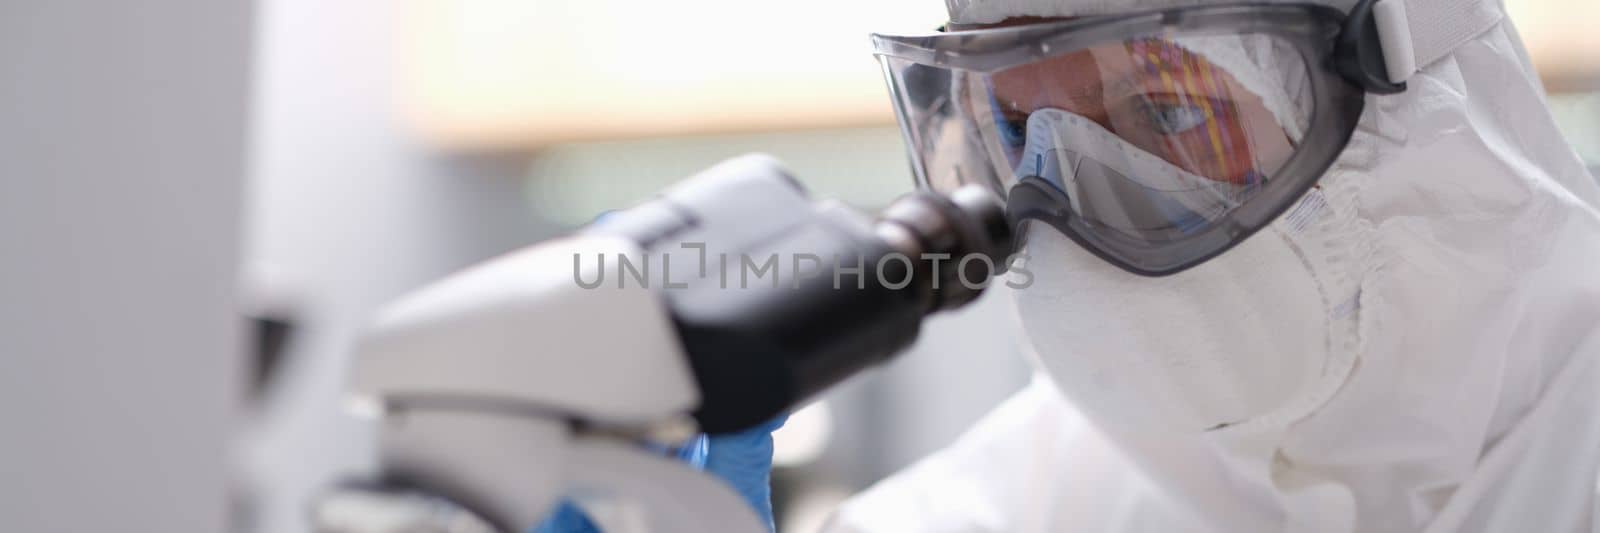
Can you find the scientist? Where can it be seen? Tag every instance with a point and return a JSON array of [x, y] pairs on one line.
[[1274, 289]]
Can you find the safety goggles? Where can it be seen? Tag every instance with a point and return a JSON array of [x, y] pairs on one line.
[[1155, 140]]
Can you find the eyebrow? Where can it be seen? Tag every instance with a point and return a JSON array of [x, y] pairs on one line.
[[1087, 91]]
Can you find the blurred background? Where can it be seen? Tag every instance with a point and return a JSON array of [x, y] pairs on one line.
[[377, 145]]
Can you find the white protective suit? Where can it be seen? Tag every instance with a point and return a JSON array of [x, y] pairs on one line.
[[1413, 347]]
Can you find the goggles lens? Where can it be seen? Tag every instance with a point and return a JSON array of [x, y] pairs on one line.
[[1149, 150]]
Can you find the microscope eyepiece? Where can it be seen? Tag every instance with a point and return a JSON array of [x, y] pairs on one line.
[[966, 231], [760, 347]]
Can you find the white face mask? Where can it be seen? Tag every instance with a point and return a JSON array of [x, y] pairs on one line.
[[1238, 339]]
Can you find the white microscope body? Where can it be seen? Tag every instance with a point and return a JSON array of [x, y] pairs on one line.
[[482, 376], [507, 387]]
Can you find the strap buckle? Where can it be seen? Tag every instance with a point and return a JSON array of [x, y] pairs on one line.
[[1375, 50]]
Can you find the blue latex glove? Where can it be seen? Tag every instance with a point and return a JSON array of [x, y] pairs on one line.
[[743, 459]]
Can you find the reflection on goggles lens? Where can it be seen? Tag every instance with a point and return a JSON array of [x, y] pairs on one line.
[[1156, 95], [1148, 137], [1114, 184], [1154, 142]]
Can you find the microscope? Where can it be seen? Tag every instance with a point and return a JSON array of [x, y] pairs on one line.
[[560, 371]]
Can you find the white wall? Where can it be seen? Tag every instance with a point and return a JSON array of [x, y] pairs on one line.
[[346, 211], [121, 160]]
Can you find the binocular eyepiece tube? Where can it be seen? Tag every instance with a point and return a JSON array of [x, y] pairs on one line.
[[772, 297]]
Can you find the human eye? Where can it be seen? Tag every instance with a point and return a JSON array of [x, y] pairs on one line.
[[1173, 118], [1011, 124], [1013, 131]]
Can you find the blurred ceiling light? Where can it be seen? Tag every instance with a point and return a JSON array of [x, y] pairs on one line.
[[1562, 39], [524, 73]]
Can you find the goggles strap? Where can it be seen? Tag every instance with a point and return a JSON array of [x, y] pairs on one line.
[[1416, 33]]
